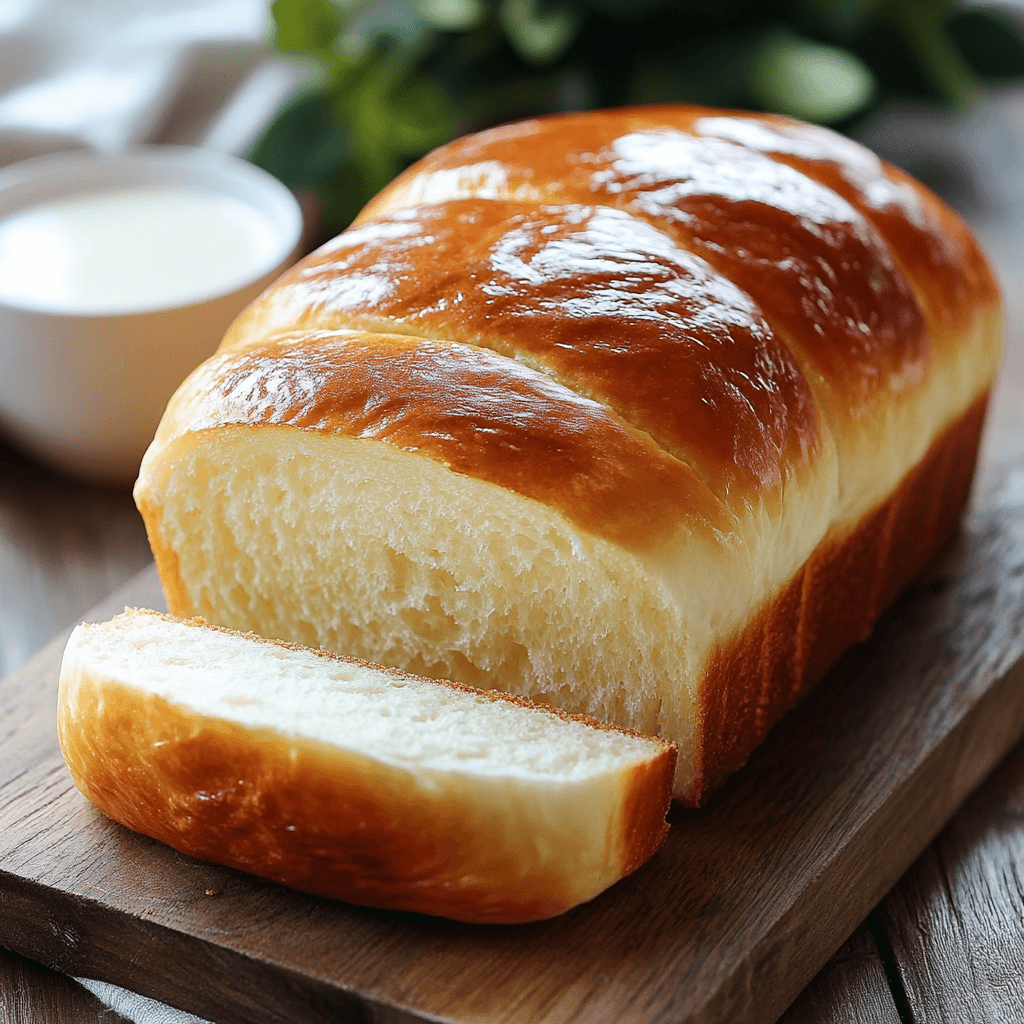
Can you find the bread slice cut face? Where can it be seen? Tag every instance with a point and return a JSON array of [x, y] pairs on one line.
[[353, 781]]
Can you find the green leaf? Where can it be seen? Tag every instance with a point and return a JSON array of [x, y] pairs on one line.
[[538, 36], [344, 196], [453, 15], [990, 42], [716, 71], [393, 119], [386, 26], [526, 95], [398, 77], [810, 80], [924, 22], [422, 117], [303, 145], [840, 20], [305, 26], [640, 10]]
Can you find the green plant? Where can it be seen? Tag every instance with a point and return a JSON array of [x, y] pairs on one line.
[[394, 78]]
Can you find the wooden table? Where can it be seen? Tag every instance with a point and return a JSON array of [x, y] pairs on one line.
[[946, 945]]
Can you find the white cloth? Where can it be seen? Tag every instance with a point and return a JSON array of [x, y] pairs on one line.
[[137, 1009], [107, 74]]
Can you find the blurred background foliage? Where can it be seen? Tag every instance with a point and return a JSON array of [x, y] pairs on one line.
[[394, 78]]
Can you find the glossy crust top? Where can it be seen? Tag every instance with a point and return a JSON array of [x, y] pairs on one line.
[[595, 299], [746, 292], [865, 273], [700, 168], [480, 413]]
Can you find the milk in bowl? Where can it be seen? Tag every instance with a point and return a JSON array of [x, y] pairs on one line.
[[119, 273]]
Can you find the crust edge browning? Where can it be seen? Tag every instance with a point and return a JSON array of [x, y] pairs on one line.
[[332, 822], [832, 602]]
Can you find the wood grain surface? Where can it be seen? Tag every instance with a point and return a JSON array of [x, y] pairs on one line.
[[30, 992], [64, 546], [956, 921], [742, 907], [850, 989]]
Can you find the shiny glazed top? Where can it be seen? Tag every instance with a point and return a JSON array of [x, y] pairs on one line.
[[732, 289], [598, 300], [672, 160], [477, 412]]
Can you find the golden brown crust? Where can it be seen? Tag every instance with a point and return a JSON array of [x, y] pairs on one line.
[[833, 602], [333, 822], [476, 412], [643, 829], [867, 275], [931, 244], [237, 796], [719, 298], [814, 265], [594, 297]]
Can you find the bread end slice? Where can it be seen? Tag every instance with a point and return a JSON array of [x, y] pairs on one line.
[[353, 781]]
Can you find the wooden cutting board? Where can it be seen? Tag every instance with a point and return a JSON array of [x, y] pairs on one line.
[[747, 900]]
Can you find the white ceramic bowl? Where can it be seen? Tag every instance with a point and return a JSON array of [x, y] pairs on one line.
[[84, 392]]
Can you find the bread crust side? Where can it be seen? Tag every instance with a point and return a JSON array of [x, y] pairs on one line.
[[338, 824], [833, 602]]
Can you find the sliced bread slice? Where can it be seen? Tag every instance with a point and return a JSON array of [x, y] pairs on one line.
[[354, 781]]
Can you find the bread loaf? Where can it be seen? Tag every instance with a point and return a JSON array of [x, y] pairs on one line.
[[646, 414], [353, 781]]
